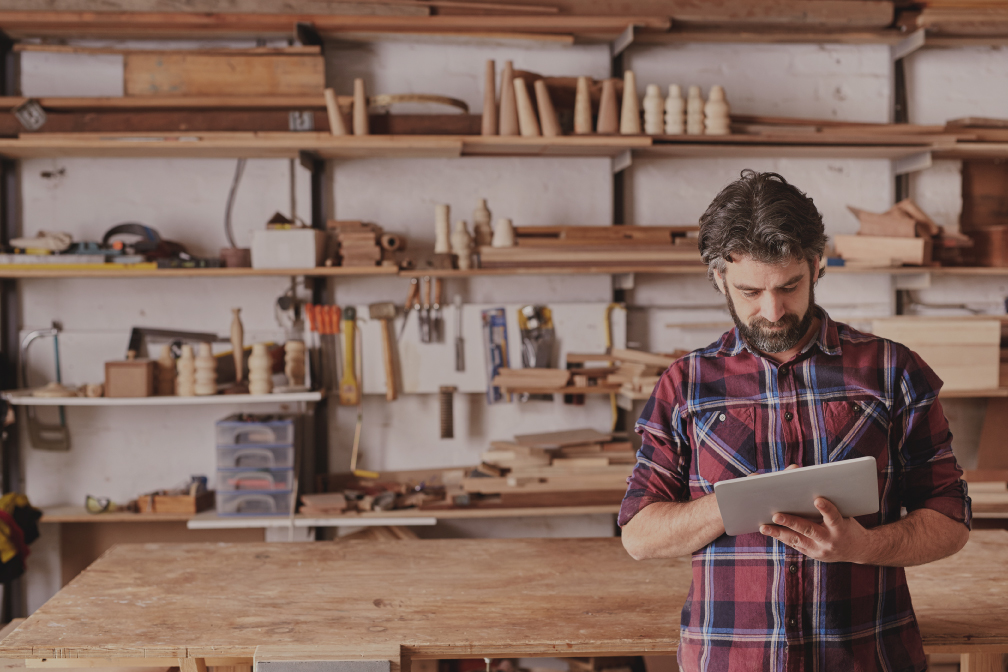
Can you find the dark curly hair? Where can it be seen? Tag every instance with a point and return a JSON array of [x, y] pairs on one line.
[[761, 216]]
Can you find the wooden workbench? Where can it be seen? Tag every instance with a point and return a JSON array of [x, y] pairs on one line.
[[229, 604]]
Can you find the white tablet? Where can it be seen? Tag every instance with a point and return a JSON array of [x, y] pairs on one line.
[[747, 503]]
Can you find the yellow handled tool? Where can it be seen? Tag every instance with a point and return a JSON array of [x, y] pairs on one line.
[[349, 390]]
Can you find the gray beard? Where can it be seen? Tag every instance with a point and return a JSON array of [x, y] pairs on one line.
[[759, 336]]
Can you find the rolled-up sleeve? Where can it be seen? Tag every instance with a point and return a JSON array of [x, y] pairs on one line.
[[662, 470], [932, 478]]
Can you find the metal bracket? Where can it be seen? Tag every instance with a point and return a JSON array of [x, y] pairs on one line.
[[624, 40], [308, 159], [912, 163], [305, 33], [623, 280], [30, 114], [907, 45], [301, 121], [622, 161]]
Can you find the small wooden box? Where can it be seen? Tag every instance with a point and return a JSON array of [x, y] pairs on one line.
[[176, 503], [884, 251], [129, 378]]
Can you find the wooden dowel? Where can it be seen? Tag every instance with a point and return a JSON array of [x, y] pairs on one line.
[[360, 108], [489, 121], [582, 107], [337, 126]]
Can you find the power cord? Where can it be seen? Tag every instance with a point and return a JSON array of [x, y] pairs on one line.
[[239, 170]]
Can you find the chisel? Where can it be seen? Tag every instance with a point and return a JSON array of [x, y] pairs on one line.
[[349, 390], [425, 315], [437, 320], [459, 343]]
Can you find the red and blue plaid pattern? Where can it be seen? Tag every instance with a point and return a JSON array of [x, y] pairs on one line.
[[724, 412]]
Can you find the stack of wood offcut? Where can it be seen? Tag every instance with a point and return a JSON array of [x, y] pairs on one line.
[[637, 372], [363, 243], [587, 246], [902, 235], [567, 468], [546, 381]]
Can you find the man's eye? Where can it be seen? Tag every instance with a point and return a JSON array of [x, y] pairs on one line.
[[750, 295], [788, 290]]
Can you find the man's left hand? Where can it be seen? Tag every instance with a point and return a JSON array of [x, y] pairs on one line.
[[836, 539]]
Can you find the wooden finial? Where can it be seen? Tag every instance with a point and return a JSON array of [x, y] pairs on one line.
[[527, 121], [547, 115], [608, 115], [508, 119]]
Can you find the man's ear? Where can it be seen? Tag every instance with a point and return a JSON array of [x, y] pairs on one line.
[[719, 281]]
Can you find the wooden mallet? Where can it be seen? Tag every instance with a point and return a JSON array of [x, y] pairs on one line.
[[385, 312]]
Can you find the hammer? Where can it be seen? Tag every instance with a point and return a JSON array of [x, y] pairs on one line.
[[384, 312]]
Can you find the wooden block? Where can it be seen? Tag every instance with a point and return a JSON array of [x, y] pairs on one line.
[[327, 501], [640, 357], [337, 125], [216, 74], [129, 378], [176, 503], [880, 249], [580, 462], [964, 353], [565, 438], [617, 446], [888, 224]]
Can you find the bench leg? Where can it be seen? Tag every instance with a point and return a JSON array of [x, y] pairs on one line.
[[982, 662], [192, 665]]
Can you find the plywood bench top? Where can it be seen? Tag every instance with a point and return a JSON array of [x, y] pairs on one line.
[[433, 598]]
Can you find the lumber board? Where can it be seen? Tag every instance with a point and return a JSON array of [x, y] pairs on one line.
[[198, 74], [570, 437], [509, 598], [641, 357], [881, 249]]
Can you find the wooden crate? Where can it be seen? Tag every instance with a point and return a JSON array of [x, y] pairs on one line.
[[176, 503], [964, 352]]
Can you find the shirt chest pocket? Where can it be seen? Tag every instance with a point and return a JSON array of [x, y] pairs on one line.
[[856, 428], [725, 441]]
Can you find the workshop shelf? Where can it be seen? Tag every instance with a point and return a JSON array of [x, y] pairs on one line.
[[24, 398]]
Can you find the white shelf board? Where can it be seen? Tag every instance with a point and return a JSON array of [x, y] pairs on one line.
[[24, 398], [209, 520]]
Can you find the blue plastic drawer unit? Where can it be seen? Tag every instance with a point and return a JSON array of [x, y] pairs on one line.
[[255, 479], [256, 457], [246, 503], [245, 429]]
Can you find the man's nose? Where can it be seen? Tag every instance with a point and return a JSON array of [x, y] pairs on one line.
[[772, 307]]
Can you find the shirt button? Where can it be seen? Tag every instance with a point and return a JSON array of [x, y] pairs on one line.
[[788, 416], [793, 569], [721, 417], [791, 622]]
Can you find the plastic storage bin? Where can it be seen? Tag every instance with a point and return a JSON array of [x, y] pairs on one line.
[[240, 503], [255, 479], [255, 457], [234, 431]]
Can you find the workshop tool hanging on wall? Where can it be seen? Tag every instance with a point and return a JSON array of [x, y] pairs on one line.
[[425, 314], [45, 436], [385, 312], [459, 343], [495, 348], [354, 336], [437, 319], [349, 389], [537, 338], [412, 304], [446, 402]]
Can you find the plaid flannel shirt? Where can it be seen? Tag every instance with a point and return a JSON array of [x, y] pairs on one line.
[[725, 412]]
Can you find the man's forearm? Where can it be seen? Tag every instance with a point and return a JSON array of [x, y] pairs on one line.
[[672, 529], [920, 537]]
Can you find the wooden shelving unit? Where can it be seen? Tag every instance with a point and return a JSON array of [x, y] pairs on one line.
[[41, 271], [24, 398]]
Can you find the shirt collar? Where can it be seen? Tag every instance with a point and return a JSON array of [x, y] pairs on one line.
[[827, 339]]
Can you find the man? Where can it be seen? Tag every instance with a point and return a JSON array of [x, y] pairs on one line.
[[789, 386]]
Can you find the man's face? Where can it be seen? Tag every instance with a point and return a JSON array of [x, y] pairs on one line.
[[771, 304]]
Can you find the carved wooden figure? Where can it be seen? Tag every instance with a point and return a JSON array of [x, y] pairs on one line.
[[461, 242], [360, 108], [337, 125], [165, 373], [716, 111], [294, 363], [185, 383], [508, 117], [654, 109], [694, 112], [206, 372], [482, 231], [675, 111], [582, 107], [608, 114], [503, 234], [630, 112], [527, 121], [442, 229], [260, 370], [547, 114], [489, 121]]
